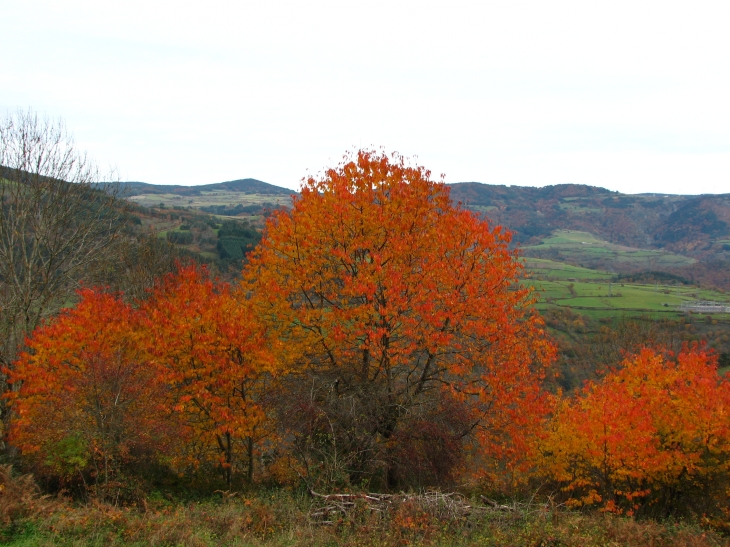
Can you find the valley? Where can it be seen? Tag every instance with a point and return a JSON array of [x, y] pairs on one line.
[[596, 259]]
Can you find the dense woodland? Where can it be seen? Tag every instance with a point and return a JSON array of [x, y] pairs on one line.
[[375, 337]]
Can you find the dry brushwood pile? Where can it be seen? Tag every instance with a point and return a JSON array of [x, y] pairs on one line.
[[329, 509]]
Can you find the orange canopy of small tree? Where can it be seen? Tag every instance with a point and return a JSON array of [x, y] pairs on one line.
[[211, 353], [85, 399], [646, 437], [391, 299]]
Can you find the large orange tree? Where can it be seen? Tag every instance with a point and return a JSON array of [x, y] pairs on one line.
[[403, 326]]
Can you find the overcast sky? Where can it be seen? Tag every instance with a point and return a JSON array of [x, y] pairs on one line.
[[632, 96]]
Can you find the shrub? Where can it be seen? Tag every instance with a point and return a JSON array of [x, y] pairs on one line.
[[652, 437]]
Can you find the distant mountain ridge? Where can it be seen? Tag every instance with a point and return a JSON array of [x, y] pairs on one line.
[[694, 225], [688, 224], [251, 186]]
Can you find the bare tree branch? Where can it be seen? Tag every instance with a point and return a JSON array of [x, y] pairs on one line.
[[58, 217]]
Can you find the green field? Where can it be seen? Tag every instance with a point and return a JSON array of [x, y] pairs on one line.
[[595, 291], [577, 208], [482, 208], [215, 197], [552, 270], [594, 294], [585, 248]]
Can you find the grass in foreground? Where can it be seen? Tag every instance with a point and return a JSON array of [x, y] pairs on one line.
[[285, 518]]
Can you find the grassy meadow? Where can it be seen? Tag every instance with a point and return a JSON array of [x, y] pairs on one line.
[[585, 248], [213, 198], [596, 293]]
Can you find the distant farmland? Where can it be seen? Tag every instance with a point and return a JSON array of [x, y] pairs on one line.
[[597, 294]]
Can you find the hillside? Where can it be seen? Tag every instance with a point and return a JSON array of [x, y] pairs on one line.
[[697, 226], [245, 186], [693, 225], [248, 198], [685, 235], [674, 227]]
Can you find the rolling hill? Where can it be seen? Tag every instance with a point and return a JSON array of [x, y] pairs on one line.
[[685, 235], [244, 186], [693, 225]]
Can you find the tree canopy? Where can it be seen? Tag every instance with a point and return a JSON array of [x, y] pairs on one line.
[[399, 307]]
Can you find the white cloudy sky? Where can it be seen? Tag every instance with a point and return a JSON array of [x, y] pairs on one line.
[[632, 96]]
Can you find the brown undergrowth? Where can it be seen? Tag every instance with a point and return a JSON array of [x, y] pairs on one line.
[[21, 499], [288, 518]]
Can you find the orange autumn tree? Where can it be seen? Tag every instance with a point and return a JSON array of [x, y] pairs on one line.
[[404, 326], [211, 353], [85, 400], [653, 436]]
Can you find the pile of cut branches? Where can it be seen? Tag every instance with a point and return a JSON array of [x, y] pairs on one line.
[[450, 507]]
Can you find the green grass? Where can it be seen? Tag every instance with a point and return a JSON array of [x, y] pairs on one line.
[[561, 285], [281, 518], [585, 248], [577, 208], [552, 269], [216, 197]]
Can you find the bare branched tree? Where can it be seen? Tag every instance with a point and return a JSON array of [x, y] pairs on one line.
[[58, 218]]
